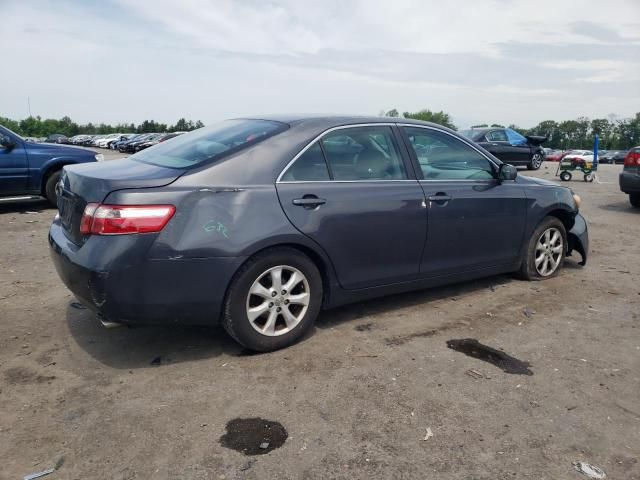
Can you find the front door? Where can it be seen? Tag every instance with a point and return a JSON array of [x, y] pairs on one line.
[[474, 220], [14, 168], [353, 193]]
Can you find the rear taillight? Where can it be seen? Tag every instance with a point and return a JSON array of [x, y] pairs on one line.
[[632, 159], [124, 219]]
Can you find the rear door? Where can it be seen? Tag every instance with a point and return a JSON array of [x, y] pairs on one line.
[[474, 220], [14, 166], [355, 194]]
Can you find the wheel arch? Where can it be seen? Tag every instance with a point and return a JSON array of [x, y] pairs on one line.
[[49, 170], [565, 216], [321, 261]]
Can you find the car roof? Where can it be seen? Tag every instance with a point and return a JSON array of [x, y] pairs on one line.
[[337, 120]]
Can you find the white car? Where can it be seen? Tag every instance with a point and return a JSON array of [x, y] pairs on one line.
[[586, 155], [104, 141]]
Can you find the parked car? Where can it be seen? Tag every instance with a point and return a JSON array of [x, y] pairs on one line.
[[630, 176], [130, 145], [620, 156], [584, 155], [510, 146], [556, 155], [259, 224], [56, 138], [607, 156], [151, 141], [112, 144], [28, 168]]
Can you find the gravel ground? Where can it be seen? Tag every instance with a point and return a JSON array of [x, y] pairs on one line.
[[373, 392]]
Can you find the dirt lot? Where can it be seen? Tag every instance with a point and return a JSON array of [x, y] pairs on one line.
[[355, 398]]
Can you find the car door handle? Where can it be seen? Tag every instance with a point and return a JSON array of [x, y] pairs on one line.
[[309, 201], [439, 198]]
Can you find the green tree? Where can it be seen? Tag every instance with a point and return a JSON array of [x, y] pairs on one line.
[[392, 113], [441, 118]]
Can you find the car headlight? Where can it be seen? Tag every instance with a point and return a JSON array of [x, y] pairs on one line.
[[577, 199], [99, 157]]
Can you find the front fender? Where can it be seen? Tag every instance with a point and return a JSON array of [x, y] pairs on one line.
[[38, 173]]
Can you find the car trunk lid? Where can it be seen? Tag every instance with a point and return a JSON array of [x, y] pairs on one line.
[[91, 183]]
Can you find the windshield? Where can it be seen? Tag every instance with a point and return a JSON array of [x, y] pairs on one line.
[[6, 131], [209, 143]]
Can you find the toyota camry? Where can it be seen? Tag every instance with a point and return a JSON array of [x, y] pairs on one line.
[[260, 223]]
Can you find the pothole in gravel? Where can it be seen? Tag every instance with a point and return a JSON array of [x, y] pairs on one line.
[[253, 436], [473, 348]]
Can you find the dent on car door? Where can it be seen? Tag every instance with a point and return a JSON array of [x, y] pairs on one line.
[[352, 194], [473, 220]]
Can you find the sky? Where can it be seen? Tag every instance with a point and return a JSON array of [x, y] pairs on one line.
[[510, 62]]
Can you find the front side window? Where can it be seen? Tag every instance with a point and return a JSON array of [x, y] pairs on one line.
[[444, 157], [363, 153], [209, 143], [497, 136]]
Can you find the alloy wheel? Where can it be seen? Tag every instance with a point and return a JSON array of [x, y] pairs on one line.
[[549, 250], [536, 161], [278, 300]]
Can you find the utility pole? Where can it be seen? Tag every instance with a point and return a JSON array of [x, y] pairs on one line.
[[29, 105]]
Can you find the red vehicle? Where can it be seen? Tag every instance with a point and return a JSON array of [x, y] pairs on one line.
[[556, 155]]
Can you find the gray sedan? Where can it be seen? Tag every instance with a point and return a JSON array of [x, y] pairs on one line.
[[261, 223]]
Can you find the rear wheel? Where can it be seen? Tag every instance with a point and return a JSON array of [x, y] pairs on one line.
[[634, 198], [565, 176], [546, 250], [589, 177], [536, 161], [50, 187], [273, 300]]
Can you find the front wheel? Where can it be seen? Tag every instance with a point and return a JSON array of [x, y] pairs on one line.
[[273, 300], [546, 250], [634, 198], [50, 188], [536, 162], [565, 176]]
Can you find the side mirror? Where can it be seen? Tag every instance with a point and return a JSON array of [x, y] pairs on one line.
[[507, 172], [6, 142]]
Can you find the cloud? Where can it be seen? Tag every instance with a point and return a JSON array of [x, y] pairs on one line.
[[481, 61]]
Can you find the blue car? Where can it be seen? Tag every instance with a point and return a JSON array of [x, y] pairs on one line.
[[261, 223], [28, 168]]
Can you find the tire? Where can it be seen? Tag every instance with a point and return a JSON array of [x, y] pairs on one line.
[[50, 187], [634, 198], [536, 161], [589, 177], [533, 268], [565, 176], [279, 323]]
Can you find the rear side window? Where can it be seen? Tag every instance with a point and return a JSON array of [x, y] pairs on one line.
[[309, 167], [210, 143], [497, 136]]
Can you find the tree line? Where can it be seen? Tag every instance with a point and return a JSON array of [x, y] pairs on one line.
[[614, 133], [38, 127]]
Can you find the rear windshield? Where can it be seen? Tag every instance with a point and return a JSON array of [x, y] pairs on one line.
[[209, 143]]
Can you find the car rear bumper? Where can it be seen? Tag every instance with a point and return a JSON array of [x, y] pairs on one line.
[[629, 182], [578, 238], [112, 276]]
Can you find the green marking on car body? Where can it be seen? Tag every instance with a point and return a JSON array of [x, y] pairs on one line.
[[215, 226]]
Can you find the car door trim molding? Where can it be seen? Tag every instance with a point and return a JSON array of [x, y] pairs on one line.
[[332, 129]]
